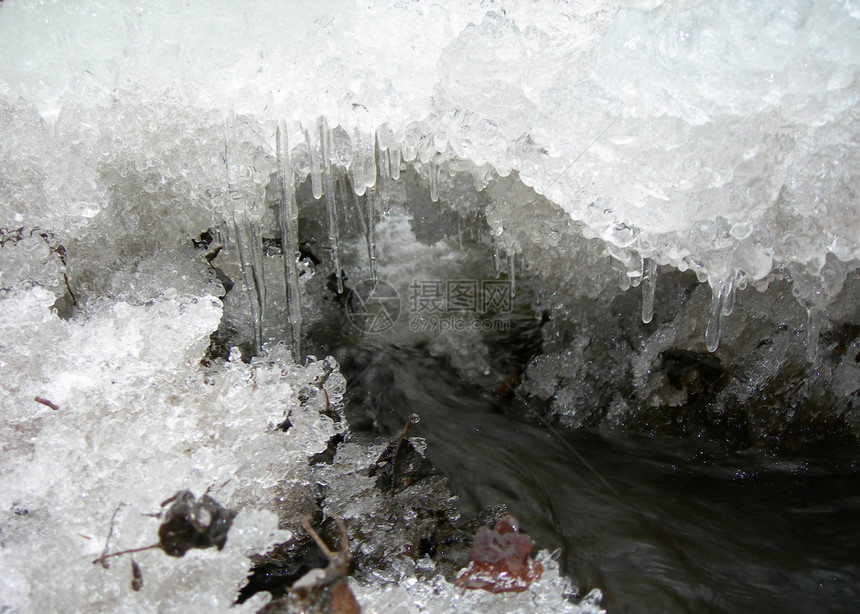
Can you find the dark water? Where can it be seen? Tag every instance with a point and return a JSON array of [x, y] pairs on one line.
[[691, 526], [668, 526]]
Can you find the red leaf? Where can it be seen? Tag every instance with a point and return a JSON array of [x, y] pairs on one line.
[[500, 560]]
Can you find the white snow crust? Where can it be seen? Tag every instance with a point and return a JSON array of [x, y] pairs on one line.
[[718, 136]]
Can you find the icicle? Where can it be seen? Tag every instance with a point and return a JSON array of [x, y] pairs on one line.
[[314, 150], [356, 167], [230, 146], [497, 260], [635, 268], [383, 193], [376, 200], [434, 181], [383, 177], [712, 336], [344, 197], [512, 273], [649, 287], [813, 326], [384, 205], [289, 220], [366, 207], [248, 239], [363, 160], [324, 138], [629, 262], [369, 150], [729, 298], [250, 246], [370, 234], [394, 163]]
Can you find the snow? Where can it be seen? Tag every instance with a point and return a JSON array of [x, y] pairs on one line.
[[695, 133], [139, 419], [715, 137]]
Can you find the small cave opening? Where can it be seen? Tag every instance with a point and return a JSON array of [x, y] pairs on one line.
[[541, 389]]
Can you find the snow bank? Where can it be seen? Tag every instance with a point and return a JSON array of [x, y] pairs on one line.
[[716, 137]]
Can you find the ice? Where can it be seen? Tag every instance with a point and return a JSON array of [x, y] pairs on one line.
[[813, 326], [512, 273], [248, 244], [384, 173], [370, 206], [314, 145], [738, 115], [288, 216], [405, 594], [649, 288], [139, 418], [593, 141], [395, 163], [31, 257], [389, 526], [767, 366], [324, 140], [712, 336], [433, 170], [728, 303], [363, 160]]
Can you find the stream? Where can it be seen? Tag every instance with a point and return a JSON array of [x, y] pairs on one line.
[[684, 526], [659, 524]]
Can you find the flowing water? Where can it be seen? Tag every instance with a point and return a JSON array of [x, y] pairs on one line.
[[659, 524], [691, 526]]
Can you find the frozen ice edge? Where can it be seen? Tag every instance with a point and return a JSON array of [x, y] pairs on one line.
[[698, 135]]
